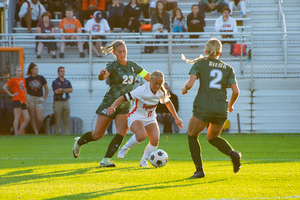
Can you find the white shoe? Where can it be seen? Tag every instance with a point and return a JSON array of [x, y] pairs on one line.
[[76, 148], [105, 162], [144, 163], [122, 152]]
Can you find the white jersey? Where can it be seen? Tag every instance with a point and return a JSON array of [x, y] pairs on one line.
[[227, 26], [94, 27], [145, 102]]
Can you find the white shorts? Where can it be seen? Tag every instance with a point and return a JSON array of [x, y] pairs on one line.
[[145, 122]]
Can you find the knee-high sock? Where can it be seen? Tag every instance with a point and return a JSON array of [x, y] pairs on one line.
[[148, 150], [87, 137], [114, 146], [195, 150], [221, 144], [131, 142]]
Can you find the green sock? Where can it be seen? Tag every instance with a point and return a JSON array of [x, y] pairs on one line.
[[221, 144], [195, 150], [87, 137], [114, 146]]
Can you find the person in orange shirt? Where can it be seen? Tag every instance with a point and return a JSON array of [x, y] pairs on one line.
[[19, 104], [70, 25], [89, 7]]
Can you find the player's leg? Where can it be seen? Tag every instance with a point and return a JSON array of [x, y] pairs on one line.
[[139, 135], [94, 49], [194, 128], [40, 49], [213, 137], [26, 120], [17, 117], [58, 109], [38, 116], [31, 111], [242, 6], [153, 134], [121, 127], [80, 46], [66, 116]]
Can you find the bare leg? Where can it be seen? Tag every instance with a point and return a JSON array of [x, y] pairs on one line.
[[31, 111]]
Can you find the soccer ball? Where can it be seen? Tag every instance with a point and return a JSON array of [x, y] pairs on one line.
[[158, 158]]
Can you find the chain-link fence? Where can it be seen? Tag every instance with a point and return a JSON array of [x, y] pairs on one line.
[[268, 56]]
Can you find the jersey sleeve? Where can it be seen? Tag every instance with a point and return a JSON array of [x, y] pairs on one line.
[[139, 70], [10, 82], [231, 78], [44, 82], [195, 69], [135, 94]]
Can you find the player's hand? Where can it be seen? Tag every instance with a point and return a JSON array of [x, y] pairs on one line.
[[110, 110], [179, 123], [230, 108], [15, 94], [184, 91], [103, 71]]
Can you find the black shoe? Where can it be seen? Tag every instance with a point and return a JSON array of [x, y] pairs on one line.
[[38, 56], [81, 55], [236, 160], [62, 55], [198, 174], [53, 56]]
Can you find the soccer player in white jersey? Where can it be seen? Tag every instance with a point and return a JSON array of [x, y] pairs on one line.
[[142, 117]]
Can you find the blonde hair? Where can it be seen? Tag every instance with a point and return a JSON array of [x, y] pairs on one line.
[[113, 46], [213, 48], [159, 74]]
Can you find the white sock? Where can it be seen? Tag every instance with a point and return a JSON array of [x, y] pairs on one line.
[[148, 150], [131, 142], [242, 5], [231, 6]]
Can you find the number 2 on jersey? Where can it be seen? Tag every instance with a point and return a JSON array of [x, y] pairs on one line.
[[218, 77], [127, 79]]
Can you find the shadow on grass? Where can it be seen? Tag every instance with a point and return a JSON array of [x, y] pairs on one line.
[[161, 185]]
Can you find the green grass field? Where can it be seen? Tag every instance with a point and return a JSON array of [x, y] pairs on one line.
[[43, 167]]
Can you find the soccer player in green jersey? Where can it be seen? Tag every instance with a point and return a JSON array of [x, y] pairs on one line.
[[210, 104], [122, 75]]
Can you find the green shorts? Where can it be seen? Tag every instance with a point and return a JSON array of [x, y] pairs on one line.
[[209, 117], [120, 110]]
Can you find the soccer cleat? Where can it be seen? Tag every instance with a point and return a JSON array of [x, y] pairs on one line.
[[122, 152], [76, 148], [144, 163], [198, 174], [105, 162], [236, 160]]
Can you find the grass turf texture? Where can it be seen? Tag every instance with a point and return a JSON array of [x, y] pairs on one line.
[[42, 167]]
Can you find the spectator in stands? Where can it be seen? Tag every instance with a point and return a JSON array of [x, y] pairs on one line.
[[61, 104], [160, 20], [107, 3], [89, 7], [97, 25], [178, 21], [145, 8], [35, 97], [225, 23], [116, 10], [211, 5], [30, 13], [240, 4], [195, 22], [132, 13], [163, 114], [46, 26], [152, 6], [70, 25], [57, 5], [19, 104]]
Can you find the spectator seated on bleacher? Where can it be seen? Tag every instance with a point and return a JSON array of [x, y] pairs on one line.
[[195, 22], [178, 21], [152, 6], [132, 13], [30, 13], [57, 5], [70, 25], [225, 23], [240, 4], [89, 7], [115, 18], [46, 26], [144, 4], [97, 25], [211, 5]]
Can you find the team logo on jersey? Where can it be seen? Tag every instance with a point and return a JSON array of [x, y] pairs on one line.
[[104, 111], [146, 107], [132, 69]]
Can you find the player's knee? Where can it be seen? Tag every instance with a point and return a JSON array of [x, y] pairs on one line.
[[141, 137]]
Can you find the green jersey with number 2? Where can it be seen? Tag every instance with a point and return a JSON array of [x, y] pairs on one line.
[[214, 77]]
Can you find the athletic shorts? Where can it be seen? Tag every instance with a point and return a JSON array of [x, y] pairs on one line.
[[18, 104], [119, 110], [35, 101], [208, 117], [145, 122]]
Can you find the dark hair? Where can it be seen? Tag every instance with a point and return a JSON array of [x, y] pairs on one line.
[[194, 5], [46, 14], [174, 14], [226, 8], [30, 67], [164, 7], [69, 9], [136, 2], [61, 67]]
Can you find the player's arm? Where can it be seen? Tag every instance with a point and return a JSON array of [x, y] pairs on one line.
[[172, 110], [144, 74], [46, 91], [67, 90], [189, 84], [5, 88], [110, 110], [235, 94], [103, 74]]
